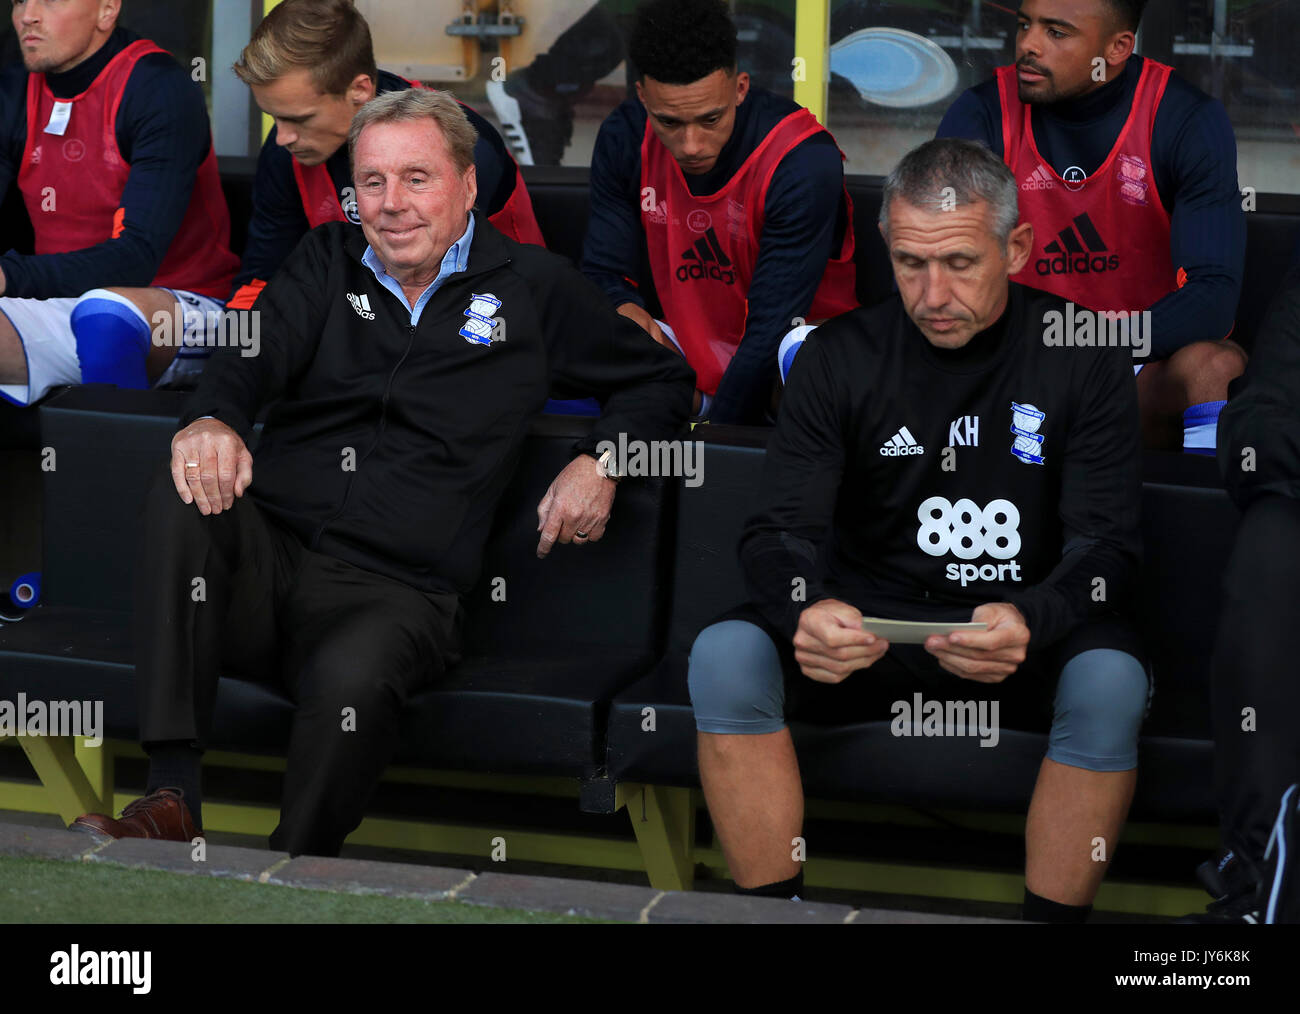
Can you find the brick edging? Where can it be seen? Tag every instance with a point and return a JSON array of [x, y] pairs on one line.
[[563, 896]]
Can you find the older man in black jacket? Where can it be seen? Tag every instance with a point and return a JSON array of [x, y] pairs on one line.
[[404, 361]]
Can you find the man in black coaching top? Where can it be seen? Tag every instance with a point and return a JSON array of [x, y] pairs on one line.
[[936, 458], [404, 360]]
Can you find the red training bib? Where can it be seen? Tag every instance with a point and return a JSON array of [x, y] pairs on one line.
[[72, 178], [703, 249], [1101, 241]]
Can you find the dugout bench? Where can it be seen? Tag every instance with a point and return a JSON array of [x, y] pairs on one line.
[[558, 675], [552, 695]]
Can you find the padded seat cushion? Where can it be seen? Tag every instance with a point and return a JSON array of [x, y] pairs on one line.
[[543, 713], [865, 762], [540, 714]]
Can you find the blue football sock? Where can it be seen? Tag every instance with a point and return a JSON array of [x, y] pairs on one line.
[[1201, 427], [112, 340]]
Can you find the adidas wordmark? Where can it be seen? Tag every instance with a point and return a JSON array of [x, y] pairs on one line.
[[901, 444]]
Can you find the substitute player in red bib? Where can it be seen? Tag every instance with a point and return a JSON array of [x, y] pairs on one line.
[[108, 140], [311, 66], [738, 196], [1128, 174]]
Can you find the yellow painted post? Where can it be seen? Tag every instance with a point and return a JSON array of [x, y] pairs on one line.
[[812, 66], [267, 122], [663, 818], [66, 787], [97, 765]]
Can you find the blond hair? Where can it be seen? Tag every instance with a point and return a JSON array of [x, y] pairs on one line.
[[328, 37]]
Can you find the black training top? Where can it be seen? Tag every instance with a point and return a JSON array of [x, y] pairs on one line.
[[938, 480]]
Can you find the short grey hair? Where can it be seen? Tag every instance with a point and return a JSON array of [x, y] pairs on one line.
[[417, 104], [972, 171]]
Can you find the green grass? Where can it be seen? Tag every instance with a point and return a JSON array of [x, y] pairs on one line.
[[42, 890]]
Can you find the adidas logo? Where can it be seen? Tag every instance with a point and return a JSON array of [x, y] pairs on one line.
[[1039, 179], [706, 259], [901, 445], [362, 305], [657, 213], [1078, 249]]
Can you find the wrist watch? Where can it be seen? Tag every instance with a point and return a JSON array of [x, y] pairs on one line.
[[605, 465]]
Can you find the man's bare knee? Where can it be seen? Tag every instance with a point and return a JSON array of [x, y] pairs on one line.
[[725, 744], [1204, 369]]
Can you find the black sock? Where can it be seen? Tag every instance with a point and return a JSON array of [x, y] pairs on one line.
[[1036, 909], [175, 765], [781, 889]]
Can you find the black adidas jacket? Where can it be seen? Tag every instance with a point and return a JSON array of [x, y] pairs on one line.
[[863, 501], [433, 421], [1259, 430]]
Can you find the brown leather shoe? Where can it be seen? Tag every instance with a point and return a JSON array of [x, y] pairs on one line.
[[163, 814]]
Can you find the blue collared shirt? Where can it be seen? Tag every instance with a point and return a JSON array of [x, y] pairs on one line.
[[456, 258]]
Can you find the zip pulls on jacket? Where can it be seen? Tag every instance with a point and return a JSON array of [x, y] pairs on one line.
[[460, 277], [383, 423]]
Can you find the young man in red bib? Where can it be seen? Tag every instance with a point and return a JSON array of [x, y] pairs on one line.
[[1128, 174], [108, 139], [736, 194], [311, 66]]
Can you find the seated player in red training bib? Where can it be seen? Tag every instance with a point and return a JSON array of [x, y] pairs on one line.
[[1129, 176], [108, 139], [738, 197]]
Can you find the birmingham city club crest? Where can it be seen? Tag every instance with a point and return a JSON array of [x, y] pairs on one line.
[[480, 324], [1025, 424]]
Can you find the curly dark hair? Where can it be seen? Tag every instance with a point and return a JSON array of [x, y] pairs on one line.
[[680, 41]]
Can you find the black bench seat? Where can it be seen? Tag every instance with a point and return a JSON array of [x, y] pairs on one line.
[[531, 693]]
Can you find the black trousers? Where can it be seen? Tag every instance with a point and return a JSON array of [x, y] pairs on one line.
[[236, 594], [1256, 666]]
